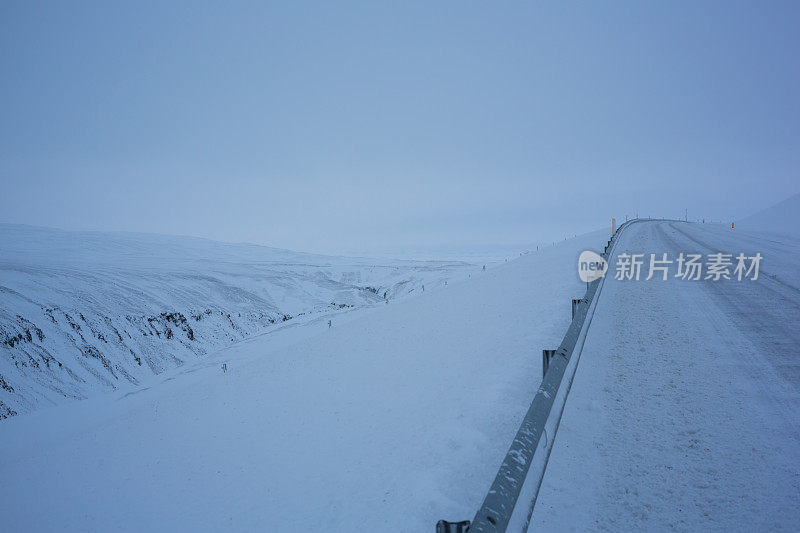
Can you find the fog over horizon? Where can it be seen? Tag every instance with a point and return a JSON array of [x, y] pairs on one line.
[[359, 127]]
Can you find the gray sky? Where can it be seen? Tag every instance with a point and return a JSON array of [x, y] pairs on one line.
[[325, 127]]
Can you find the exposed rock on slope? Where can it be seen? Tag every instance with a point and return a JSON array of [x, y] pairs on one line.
[[87, 312]]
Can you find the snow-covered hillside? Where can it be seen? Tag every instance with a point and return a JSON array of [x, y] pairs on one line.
[[782, 218], [395, 417], [87, 312]]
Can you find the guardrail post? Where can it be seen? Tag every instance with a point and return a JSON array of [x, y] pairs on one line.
[[575, 304], [547, 355], [443, 526]]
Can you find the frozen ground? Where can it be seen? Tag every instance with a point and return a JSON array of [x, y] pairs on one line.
[[685, 409], [83, 313], [395, 417]]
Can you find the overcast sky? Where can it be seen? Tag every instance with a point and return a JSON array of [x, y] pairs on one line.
[[335, 126]]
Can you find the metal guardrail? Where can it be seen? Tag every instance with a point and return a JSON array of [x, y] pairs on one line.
[[501, 500]]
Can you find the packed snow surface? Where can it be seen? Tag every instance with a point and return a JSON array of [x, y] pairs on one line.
[[685, 409], [397, 415]]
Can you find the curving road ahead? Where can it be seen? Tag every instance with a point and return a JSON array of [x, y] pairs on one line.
[[685, 409]]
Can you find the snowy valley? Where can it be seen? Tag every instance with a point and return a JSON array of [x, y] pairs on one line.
[[83, 313]]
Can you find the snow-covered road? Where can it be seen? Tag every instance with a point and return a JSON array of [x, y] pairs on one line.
[[685, 409]]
